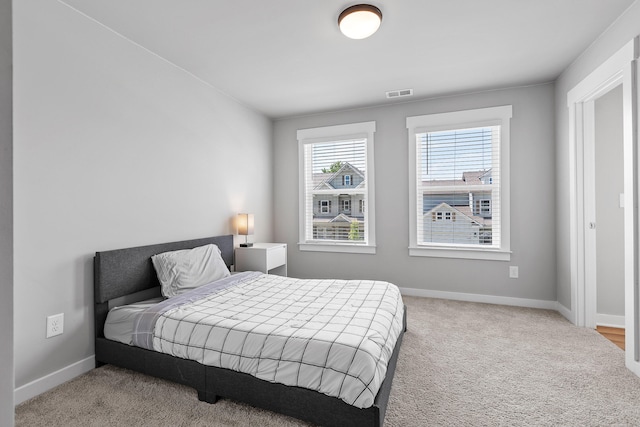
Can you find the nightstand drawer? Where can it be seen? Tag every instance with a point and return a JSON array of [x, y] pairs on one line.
[[276, 257]]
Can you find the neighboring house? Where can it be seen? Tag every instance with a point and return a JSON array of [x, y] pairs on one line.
[[460, 216], [339, 204], [456, 225], [454, 211]]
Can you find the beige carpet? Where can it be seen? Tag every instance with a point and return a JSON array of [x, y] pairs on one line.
[[461, 364]]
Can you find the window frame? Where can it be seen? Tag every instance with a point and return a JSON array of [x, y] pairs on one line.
[[337, 133], [490, 116]]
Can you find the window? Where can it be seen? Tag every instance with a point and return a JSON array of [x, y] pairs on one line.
[[483, 207], [459, 184], [336, 163], [325, 206]]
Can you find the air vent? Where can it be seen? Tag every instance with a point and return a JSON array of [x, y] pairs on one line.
[[399, 93]]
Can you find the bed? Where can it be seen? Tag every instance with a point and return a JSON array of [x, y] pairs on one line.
[[127, 276]]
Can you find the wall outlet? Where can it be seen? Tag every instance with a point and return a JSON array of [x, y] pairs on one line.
[[55, 325], [513, 271]]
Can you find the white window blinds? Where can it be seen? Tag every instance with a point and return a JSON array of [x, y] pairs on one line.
[[336, 181], [459, 184], [458, 189]]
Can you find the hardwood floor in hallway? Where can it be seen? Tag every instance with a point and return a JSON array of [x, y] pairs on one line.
[[615, 335]]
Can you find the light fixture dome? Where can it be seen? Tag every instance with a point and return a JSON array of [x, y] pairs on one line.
[[360, 21]]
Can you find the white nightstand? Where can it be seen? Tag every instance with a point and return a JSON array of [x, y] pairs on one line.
[[268, 258]]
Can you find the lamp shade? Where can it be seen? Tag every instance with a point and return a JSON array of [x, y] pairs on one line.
[[360, 21], [245, 224]]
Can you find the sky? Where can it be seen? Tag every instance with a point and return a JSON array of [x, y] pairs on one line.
[[352, 151], [445, 155]]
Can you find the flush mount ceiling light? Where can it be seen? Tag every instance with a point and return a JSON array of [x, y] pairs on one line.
[[360, 21]]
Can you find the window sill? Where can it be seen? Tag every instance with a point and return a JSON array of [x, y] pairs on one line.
[[461, 253], [337, 247]]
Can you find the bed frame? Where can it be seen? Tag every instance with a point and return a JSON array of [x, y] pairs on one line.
[[129, 273]]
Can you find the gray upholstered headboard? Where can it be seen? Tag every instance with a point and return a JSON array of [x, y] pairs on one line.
[[122, 272]]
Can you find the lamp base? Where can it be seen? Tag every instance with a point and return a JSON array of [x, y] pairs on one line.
[[246, 245]]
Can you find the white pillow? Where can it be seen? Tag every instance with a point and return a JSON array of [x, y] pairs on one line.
[[181, 271]]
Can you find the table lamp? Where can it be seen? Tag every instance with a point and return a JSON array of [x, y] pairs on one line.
[[245, 228]]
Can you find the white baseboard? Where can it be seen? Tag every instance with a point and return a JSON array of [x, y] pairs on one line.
[[39, 386], [601, 319], [487, 299], [609, 320], [564, 311]]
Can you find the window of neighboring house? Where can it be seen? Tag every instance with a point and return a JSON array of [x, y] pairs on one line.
[[325, 152], [483, 207], [325, 206], [361, 205], [460, 159], [485, 236]]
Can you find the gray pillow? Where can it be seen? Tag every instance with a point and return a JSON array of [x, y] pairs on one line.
[[183, 270]]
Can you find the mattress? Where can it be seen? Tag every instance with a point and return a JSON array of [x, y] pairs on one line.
[[332, 336], [120, 321]]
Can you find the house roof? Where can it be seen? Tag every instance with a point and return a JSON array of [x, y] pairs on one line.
[[468, 178], [324, 179], [475, 177], [340, 218], [466, 210]]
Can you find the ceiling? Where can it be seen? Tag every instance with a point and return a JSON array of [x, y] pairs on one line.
[[287, 57]]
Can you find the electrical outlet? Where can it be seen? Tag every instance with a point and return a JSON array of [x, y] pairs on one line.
[[513, 271], [55, 325]]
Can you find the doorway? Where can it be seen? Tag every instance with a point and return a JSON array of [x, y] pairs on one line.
[[608, 184], [618, 71]]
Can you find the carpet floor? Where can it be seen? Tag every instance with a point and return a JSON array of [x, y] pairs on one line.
[[461, 364]]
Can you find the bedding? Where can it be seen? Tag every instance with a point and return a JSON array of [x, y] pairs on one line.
[[332, 336], [120, 321], [182, 270]]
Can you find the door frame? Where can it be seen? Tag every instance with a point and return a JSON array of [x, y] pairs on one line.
[[620, 69]]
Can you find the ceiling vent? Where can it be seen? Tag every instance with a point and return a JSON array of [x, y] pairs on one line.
[[399, 93]]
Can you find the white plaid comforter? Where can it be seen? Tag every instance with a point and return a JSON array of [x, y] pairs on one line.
[[332, 336]]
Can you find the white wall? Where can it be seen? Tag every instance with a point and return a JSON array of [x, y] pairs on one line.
[[609, 214], [114, 147], [6, 218], [620, 33], [532, 200]]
